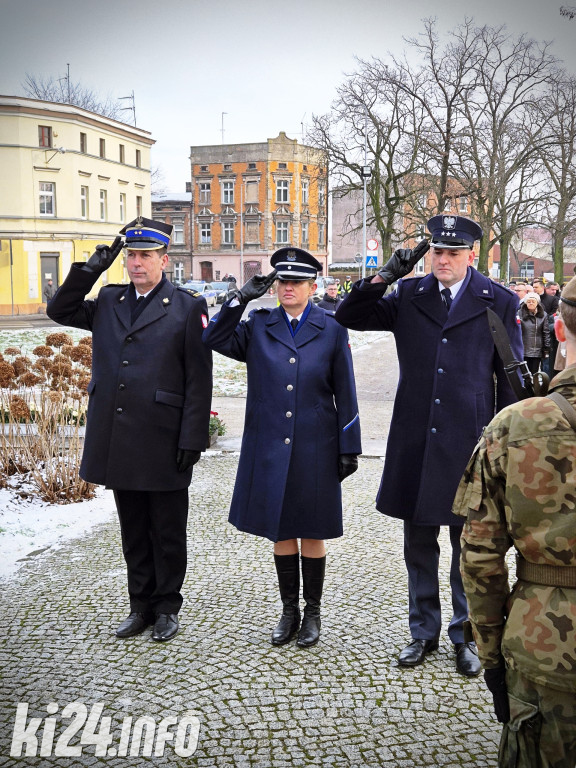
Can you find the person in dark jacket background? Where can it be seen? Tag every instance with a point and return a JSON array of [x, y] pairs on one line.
[[535, 331], [331, 300], [301, 432], [446, 395], [148, 412]]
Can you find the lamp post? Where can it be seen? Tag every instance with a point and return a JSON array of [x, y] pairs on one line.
[[366, 174]]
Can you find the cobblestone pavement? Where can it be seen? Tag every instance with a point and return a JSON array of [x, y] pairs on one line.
[[344, 702]]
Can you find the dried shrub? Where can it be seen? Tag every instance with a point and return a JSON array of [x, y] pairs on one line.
[[21, 365], [82, 354], [30, 379], [7, 374], [66, 349], [86, 341], [83, 381], [11, 351], [59, 339], [43, 351], [19, 409]]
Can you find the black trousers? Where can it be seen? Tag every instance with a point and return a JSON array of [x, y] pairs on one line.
[[153, 528]]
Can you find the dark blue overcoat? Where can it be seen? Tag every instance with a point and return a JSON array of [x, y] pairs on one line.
[[446, 392], [301, 413], [151, 386]]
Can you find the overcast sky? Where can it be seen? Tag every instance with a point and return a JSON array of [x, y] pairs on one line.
[[268, 65]]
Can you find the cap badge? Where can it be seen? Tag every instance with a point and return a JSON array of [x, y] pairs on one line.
[[165, 301], [139, 221], [449, 222], [291, 256]]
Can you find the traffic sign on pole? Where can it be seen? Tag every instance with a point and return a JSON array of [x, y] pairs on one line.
[[371, 261]]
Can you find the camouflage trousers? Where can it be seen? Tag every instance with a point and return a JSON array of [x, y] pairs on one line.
[[542, 728]]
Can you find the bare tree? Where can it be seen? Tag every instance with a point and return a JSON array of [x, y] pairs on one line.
[[570, 12], [65, 91], [369, 107], [557, 110]]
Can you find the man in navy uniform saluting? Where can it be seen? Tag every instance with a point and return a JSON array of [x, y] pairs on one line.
[[148, 412], [445, 396]]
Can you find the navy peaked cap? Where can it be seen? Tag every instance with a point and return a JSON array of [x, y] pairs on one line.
[[146, 234], [295, 264], [453, 231]]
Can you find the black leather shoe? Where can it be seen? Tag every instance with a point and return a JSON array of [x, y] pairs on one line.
[[467, 661], [135, 624], [310, 630], [287, 626], [165, 627], [415, 652]]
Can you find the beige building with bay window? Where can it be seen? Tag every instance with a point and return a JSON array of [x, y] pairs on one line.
[[69, 179]]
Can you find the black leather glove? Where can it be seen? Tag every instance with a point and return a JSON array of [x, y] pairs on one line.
[[186, 459], [254, 288], [402, 262], [495, 680], [103, 257], [347, 465]]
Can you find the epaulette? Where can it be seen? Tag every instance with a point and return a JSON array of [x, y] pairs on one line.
[[256, 310], [189, 291]]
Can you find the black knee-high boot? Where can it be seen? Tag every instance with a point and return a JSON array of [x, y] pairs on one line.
[[313, 570], [288, 570]]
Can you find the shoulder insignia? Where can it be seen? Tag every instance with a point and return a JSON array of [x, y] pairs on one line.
[[189, 291]]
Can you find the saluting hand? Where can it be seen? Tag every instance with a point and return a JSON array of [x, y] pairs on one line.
[[402, 262], [255, 287], [103, 257]]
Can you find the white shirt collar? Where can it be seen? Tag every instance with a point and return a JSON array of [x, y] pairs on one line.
[[453, 288]]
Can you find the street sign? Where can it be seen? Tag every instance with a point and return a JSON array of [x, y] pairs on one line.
[[372, 245], [371, 261]]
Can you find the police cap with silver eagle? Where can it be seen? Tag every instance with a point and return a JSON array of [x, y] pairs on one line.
[[295, 264], [453, 231], [146, 234]]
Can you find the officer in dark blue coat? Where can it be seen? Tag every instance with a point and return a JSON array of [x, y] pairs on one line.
[[148, 413], [446, 395], [301, 433]]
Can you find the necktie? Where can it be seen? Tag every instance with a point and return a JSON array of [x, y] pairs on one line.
[[140, 299], [447, 298], [294, 323]]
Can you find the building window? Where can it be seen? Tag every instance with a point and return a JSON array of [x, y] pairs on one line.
[[252, 232], [305, 232], [203, 168], [103, 148], [448, 205], [204, 197], [282, 230], [44, 136], [178, 233], [282, 166], [138, 205], [251, 191], [527, 269], [228, 232], [103, 205], [321, 196], [83, 143], [122, 207], [420, 267], [321, 235], [462, 204], [227, 192], [251, 166], [84, 202], [138, 159], [47, 198], [205, 232], [305, 187], [121, 153], [227, 167], [282, 191], [178, 271]]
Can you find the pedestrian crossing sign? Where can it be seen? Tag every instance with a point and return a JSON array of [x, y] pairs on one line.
[[371, 261]]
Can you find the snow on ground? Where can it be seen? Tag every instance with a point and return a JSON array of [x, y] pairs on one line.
[[30, 526]]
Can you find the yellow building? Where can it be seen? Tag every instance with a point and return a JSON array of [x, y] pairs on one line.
[[69, 179]]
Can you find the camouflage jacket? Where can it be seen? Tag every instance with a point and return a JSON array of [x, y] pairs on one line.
[[519, 490]]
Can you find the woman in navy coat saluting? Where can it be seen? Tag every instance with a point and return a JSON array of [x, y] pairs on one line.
[[301, 433]]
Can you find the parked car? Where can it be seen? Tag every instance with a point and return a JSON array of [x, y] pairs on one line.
[[204, 289], [223, 286]]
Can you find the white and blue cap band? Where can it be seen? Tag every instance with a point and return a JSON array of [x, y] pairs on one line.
[[295, 264], [146, 234]]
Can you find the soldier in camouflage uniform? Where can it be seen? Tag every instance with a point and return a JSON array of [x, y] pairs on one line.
[[519, 490]]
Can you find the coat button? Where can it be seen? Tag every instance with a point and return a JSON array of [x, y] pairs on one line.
[[288, 414], [125, 362], [289, 387], [128, 339], [440, 370], [118, 410], [122, 386], [287, 441], [292, 360], [437, 401], [444, 341], [433, 430]]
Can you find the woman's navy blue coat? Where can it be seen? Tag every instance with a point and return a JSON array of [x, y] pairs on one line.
[[301, 413]]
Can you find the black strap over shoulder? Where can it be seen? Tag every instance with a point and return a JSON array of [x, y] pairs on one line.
[[565, 407]]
